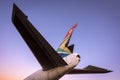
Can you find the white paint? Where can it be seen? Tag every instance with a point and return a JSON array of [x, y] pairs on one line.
[[56, 73]]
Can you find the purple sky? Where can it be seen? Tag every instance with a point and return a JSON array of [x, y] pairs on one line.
[[96, 38]]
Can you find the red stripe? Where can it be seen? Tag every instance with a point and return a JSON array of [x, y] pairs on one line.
[[71, 30]]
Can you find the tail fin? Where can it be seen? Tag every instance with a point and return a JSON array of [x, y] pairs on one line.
[[64, 48]]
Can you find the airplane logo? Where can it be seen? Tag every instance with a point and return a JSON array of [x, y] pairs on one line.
[[55, 64]]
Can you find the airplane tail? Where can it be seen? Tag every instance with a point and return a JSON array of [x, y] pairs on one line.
[[64, 48]]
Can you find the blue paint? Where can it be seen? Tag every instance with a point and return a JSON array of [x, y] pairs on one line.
[[63, 54]]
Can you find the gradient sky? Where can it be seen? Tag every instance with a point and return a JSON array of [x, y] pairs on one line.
[[96, 38]]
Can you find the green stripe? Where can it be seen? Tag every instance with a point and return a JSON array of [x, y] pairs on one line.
[[61, 50]]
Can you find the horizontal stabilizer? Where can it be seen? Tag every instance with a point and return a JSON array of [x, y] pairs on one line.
[[89, 70], [42, 50], [71, 48]]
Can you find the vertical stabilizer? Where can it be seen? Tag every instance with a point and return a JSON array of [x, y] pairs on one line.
[[64, 48]]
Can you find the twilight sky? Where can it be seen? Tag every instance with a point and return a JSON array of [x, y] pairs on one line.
[[96, 38]]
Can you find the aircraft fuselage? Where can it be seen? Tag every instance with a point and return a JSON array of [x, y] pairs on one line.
[[56, 73]]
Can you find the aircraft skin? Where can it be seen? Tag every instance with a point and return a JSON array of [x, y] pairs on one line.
[[54, 64], [56, 73]]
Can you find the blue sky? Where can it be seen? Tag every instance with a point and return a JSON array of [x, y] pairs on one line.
[[96, 38]]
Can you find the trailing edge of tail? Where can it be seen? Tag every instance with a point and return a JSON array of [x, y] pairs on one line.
[[64, 48]]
